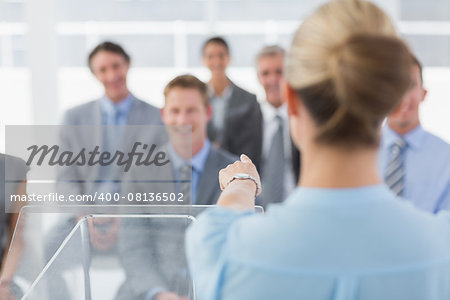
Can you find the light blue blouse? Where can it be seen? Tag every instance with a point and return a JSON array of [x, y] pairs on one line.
[[360, 243]]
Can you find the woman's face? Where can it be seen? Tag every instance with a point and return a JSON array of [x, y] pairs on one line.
[[216, 58]]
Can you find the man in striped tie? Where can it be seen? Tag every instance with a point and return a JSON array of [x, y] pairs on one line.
[[414, 163]]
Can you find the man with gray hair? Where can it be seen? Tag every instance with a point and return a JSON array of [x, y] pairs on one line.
[[280, 159]]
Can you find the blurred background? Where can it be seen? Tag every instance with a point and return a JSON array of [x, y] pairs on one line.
[[44, 46]]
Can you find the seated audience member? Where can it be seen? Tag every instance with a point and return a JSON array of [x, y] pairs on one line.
[[280, 159], [415, 164], [15, 169], [341, 234], [151, 251], [236, 118]]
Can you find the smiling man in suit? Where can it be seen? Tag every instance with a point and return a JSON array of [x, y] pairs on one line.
[[151, 252], [101, 122], [109, 63], [187, 106]]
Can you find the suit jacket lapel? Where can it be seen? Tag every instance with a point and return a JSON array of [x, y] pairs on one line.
[[234, 99], [233, 106]]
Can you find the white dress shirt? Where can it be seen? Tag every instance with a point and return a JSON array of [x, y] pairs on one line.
[[270, 126]]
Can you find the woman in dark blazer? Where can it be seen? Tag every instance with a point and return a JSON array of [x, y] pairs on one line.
[[236, 122]]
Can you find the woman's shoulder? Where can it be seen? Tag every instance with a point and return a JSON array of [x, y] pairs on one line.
[[295, 230]]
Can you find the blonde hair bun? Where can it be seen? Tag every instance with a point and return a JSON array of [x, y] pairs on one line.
[[349, 68]]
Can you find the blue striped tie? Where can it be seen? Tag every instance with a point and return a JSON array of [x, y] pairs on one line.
[[395, 172]]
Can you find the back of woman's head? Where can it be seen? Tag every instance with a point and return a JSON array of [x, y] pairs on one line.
[[349, 69]]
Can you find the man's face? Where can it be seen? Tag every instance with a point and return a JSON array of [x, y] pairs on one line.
[[406, 116], [270, 73], [111, 70], [216, 58], [185, 115]]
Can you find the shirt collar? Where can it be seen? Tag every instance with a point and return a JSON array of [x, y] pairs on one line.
[[347, 196], [413, 138], [226, 94], [198, 161], [269, 111], [123, 107]]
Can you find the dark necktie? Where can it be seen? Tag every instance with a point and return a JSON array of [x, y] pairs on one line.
[[273, 173]]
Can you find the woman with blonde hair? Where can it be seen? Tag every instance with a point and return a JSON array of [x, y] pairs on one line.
[[341, 234]]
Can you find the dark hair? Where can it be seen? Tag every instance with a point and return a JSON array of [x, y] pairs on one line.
[[188, 81], [216, 40], [415, 61], [108, 47]]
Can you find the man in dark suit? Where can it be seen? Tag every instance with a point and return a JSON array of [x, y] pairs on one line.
[[280, 167], [151, 251], [236, 120]]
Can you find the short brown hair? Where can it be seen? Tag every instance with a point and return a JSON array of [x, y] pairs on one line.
[[108, 47], [188, 81], [416, 62]]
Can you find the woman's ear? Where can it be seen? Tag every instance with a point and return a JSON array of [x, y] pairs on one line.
[[293, 100]]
